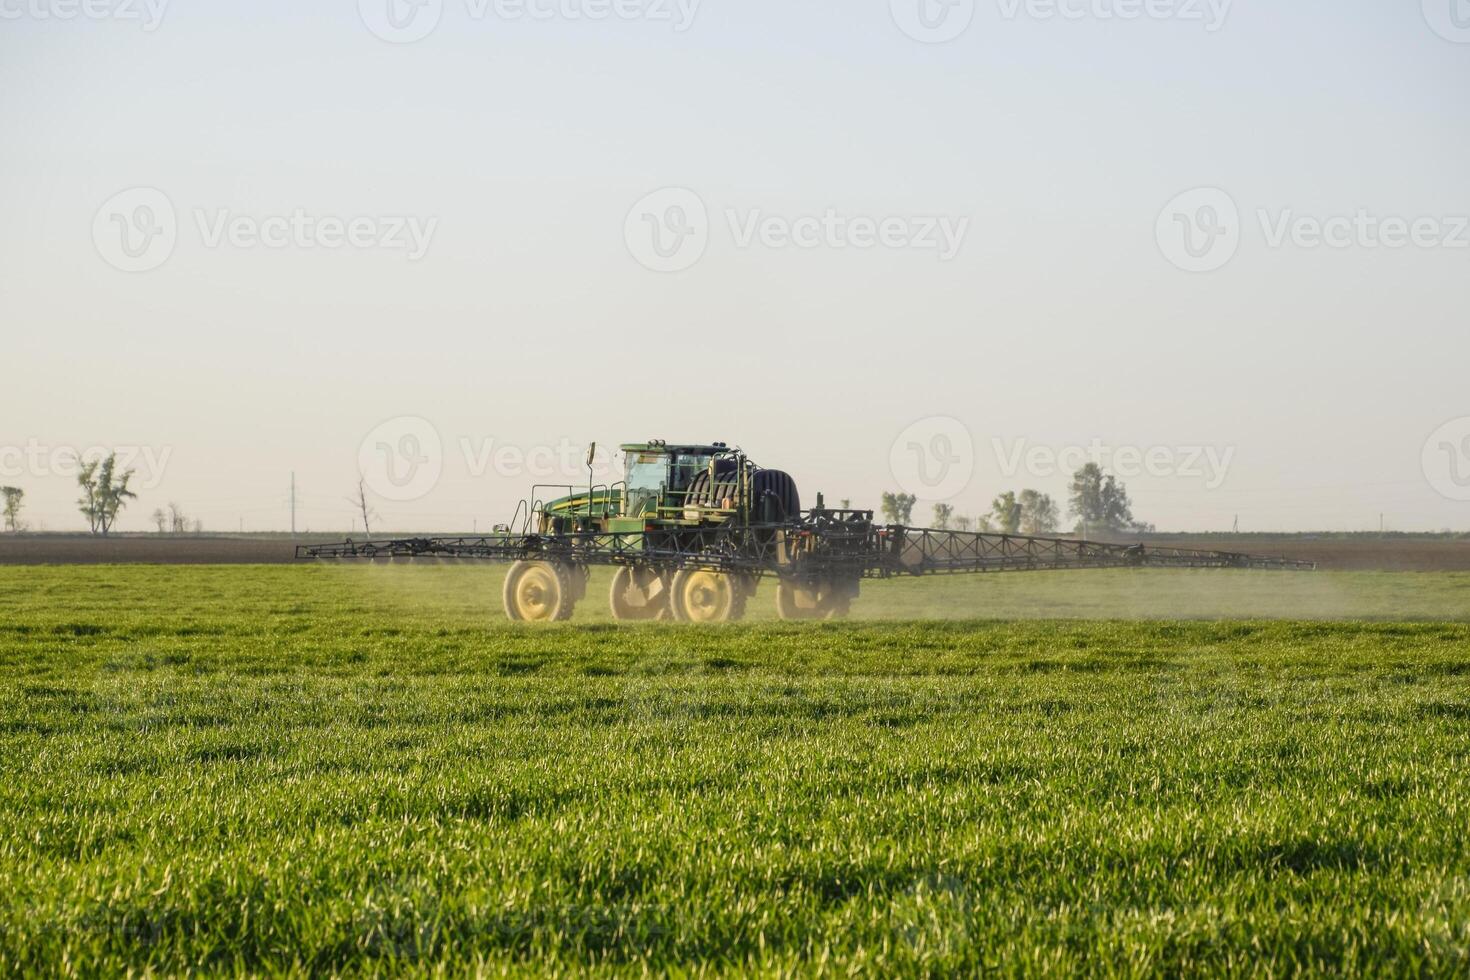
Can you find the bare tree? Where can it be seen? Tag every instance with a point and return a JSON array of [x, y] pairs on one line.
[[178, 521], [160, 520], [962, 523], [943, 514], [14, 497], [361, 503]]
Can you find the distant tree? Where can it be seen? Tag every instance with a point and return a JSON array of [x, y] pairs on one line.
[[943, 513], [984, 524], [846, 504], [962, 523], [196, 526], [1039, 513], [178, 521], [1100, 502], [360, 501], [104, 492], [1006, 511], [898, 508], [159, 519], [14, 498]]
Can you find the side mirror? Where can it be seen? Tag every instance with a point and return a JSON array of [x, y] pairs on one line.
[[591, 453]]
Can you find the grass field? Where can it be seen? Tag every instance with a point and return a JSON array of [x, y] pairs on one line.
[[356, 770]]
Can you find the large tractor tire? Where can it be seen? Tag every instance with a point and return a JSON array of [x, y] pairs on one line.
[[775, 496], [699, 595], [639, 594], [725, 487], [540, 591], [812, 600]]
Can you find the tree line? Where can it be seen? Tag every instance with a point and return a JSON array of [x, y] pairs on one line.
[[1097, 501], [105, 492]]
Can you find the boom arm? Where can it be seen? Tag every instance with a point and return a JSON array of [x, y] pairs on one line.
[[821, 543]]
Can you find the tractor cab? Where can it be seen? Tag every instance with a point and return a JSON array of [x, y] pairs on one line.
[[658, 476]]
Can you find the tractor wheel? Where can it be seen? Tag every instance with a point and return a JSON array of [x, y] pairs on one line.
[[639, 594], [821, 600], [703, 596], [539, 592]]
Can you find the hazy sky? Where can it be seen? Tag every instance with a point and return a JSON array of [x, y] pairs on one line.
[[880, 245]]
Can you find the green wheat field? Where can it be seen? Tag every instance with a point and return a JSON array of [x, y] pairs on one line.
[[337, 770]]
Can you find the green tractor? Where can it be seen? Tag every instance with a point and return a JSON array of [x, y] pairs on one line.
[[708, 520], [691, 529]]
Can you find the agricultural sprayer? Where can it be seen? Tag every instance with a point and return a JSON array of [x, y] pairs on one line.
[[691, 530]]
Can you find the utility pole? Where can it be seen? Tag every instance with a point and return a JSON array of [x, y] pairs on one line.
[[293, 503]]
